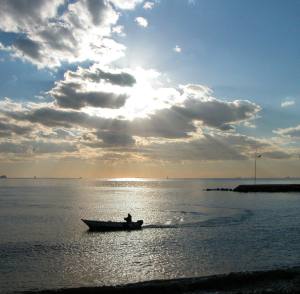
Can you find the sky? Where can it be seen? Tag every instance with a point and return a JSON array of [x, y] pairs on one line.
[[161, 88]]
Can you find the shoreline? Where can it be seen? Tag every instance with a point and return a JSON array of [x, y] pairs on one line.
[[285, 280]]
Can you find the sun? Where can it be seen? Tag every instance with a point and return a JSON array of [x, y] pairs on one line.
[[148, 95]]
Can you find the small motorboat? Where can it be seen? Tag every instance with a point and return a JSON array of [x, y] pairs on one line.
[[104, 226]]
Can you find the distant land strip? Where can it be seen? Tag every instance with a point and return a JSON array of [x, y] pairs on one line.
[[272, 281], [41, 178]]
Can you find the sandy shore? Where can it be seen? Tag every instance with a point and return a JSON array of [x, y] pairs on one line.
[[274, 281]]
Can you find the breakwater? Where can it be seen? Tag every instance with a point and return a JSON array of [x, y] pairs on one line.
[[270, 188]]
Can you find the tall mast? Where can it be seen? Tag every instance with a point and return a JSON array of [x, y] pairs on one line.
[[255, 156]]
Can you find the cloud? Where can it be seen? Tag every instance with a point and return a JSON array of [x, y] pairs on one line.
[[141, 21], [185, 111], [157, 137], [21, 16], [148, 5], [36, 147], [292, 132], [6, 129], [210, 146], [72, 95], [199, 105], [51, 117], [28, 47], [96, 74], [287, 103], [52, 32], [191, 2], [277, 154], [171, 116], [126, 4], [112, 139], [119, 30], [205, 148], [174, 122], [94, 86], [177, 49]]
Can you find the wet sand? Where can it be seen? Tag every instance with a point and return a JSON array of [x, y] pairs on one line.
[[273, 281]]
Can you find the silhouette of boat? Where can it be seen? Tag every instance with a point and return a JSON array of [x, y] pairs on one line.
[[104, 226]]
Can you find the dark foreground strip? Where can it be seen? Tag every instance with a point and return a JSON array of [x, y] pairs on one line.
[[274, 281]]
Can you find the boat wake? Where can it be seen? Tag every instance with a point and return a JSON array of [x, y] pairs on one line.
[[213, 222]]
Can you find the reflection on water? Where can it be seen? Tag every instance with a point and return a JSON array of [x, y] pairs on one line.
[[187, 231]]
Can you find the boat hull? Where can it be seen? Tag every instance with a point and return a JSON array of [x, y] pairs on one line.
[[102, 226]]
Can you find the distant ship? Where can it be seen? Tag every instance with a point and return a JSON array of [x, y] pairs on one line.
[[3, 177]]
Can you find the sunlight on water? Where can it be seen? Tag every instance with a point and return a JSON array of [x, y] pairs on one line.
[[187, 231], [130, 180]]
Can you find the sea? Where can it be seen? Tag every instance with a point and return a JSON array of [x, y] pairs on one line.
[[188, 232]]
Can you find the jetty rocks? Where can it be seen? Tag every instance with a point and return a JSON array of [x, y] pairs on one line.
[[266, 188], [269, 188]]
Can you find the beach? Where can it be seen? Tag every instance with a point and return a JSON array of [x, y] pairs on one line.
[[274, 281]]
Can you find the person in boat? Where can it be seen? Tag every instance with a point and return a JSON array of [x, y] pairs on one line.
[[128, 219]]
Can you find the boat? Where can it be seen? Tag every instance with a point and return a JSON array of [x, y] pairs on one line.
[[104, 226]]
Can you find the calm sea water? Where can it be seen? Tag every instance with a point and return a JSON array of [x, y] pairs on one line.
[[188, 231]]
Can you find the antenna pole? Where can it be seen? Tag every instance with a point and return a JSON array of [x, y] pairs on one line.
[[255, 167], [255, 156]]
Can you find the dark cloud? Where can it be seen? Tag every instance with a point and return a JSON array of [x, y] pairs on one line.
[[117, 135], [217, 113], [36, 147], [29, 48], [11, 147], [6, 129], [276, 154], [96, 9], [41, 147], [70, 95], [165, 123], [49, 117], [120, 79], [56, 133], [19, 15], [115, 157], [176, 122], [156, 126], [58, 37], [115, 138]]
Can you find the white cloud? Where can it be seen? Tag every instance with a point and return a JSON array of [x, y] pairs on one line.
[[82, 31], [141, 21], [21, 16], [126, 4], [119, 30], [177, 49], [148, 5], [249, 124], [287, 103], [292, 132]]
